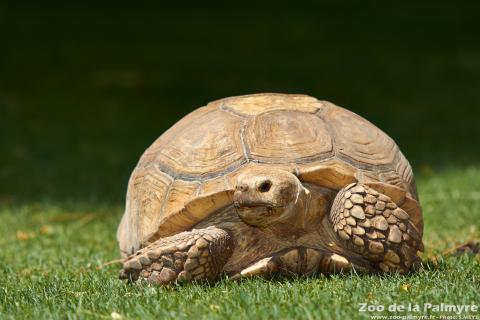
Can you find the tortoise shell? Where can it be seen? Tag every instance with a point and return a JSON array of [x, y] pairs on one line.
[[188, 172]]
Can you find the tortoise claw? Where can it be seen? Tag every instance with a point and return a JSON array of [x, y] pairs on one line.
[[263, 267]]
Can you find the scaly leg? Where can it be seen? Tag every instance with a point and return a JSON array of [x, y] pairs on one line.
[[301, 261], [372, 225], [191, 255]]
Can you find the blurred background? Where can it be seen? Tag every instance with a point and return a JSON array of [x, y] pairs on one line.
[[86, 87]]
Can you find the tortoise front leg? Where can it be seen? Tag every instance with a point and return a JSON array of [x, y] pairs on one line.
[[301, 261], [191, 255], [372, 225]]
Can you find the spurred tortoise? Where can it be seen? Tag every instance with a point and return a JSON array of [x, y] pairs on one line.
[[269, 183]]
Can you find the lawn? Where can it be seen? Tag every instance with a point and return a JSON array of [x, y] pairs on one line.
[[52, 257], [84, 89]]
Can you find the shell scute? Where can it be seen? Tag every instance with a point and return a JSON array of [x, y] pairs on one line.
[[287, 136], [211, 144], [358, 139]]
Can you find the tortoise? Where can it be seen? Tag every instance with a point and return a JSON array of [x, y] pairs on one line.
[[266, 184]]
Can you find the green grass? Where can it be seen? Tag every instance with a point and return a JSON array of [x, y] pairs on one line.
[[51, 254]]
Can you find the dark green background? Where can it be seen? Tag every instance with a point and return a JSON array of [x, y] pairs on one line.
[[85, 89]]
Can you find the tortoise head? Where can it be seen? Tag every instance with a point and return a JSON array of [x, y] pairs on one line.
[[264, 196]]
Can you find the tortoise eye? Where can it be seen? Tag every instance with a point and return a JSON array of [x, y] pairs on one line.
[[265, 186]]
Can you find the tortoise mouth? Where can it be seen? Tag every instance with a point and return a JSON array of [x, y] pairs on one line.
[[258, 210], [255, 205], [258, 214]]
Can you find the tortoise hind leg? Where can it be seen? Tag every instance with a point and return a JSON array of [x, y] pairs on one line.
[[191, 255], [372, 225], [302, 261]]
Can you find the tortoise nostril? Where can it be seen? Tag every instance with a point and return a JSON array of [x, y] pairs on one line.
[[242, 187], [265, 186]]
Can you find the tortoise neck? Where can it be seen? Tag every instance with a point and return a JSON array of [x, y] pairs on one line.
[[318, 203], [311, 207]]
